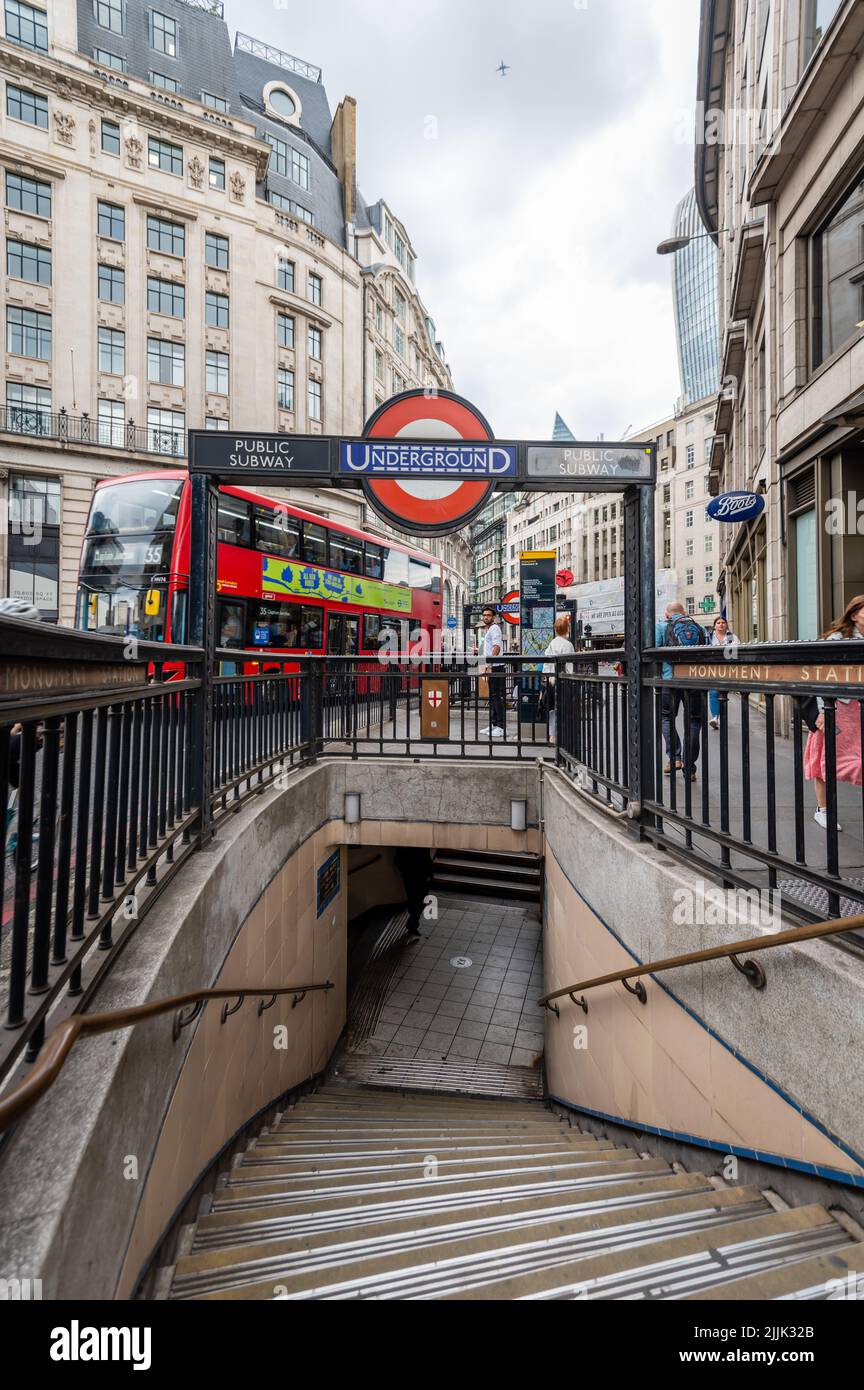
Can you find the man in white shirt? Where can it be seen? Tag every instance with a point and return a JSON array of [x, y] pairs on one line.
[[493, 646]]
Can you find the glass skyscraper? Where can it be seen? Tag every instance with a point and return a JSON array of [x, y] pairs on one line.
[[694, 285]]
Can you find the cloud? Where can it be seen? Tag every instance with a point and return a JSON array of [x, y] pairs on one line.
[[536, 208]]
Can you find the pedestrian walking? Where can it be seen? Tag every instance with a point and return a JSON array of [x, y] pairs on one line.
[[721, 636], [493, 646], [679, 629], [415, 867], [847, 722], [559, 646]]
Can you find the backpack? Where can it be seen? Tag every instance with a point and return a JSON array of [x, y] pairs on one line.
[[685, 632]]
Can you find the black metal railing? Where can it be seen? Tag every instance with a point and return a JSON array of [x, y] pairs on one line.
[[33, 421], [733, 795]]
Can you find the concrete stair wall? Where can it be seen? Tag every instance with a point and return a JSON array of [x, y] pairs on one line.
[[374, 1194]]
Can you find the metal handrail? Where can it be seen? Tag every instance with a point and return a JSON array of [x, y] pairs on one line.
[[731, 952], [63, 1038]]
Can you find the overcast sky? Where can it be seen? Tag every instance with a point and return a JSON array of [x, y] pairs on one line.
[[534, 201]]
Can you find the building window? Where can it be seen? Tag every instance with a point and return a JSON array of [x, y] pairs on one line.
[[817, 16], [709, 574], [399, 340], [285, 330], [112, 284], [215, 422], [109, 15], [169, 237], [112, 351], [28, 408], [109, 60], [28, 195], [379, 365], [216, 372], [688, 520], [28, 333], [290, 163], [34, 564], [285, 389], [838, 275], [164, 83], [111, 423], [161, 154], [111, 221], [27, 106], [691, 455], [314, 398], [26, 26], [163, 34], [688, 492], [688, 550], [166, 362], [215, 103], [166, 297], [217, 173], [110, 137], [379, 319], [216, 250], [709, 545], [280, 200], [315, 287], [315, 342], [285, 275], [670, 438], [216, 310], [691, 605], [26, 262], [166, 430]]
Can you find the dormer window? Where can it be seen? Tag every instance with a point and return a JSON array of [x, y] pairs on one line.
[[283, 102]]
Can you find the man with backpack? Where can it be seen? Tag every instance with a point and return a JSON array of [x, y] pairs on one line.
[[679, 629]]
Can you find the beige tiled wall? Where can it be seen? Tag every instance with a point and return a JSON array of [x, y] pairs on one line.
[[655, 1064], [233, 1070]]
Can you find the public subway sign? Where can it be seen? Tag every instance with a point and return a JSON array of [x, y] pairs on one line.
[[753, 673], [568, 464], [282, 456]]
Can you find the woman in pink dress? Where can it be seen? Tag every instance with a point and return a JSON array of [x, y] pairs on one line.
[[847, 722]]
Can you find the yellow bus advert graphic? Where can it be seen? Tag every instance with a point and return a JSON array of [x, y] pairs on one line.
[[284, 577]]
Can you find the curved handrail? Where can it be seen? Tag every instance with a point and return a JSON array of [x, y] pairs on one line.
[[63, 1038], [731, 951]]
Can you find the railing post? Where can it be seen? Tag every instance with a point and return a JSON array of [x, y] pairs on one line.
[[312, 709], [202, 625], [638, 634]]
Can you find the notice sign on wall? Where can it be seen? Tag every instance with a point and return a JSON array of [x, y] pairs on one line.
[[329, 881]]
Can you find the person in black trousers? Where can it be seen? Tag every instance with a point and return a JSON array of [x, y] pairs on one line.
[[415, 866]]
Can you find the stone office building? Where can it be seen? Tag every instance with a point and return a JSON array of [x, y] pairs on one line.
[[780, 184], [186, 246]]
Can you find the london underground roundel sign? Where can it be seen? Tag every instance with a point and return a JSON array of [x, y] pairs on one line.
[[428, 503]]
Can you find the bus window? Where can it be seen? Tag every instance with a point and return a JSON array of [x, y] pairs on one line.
[[273, 625], [314, 544], [234, 525], [346, 553], [419, 574], [141, 508], [229, 624], [178, 615], [374, 561], [311, 628], [277, 532], [343, 632], [395, 566], [381, 632]]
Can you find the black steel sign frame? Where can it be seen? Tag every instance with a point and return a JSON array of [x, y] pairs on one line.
[[315, 460]]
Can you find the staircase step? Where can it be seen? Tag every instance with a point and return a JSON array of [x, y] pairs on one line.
[[840, 1273], [462, 882], [490, 856], [504, 873], [318, 1171], [391, 1266], [479, 1079], [287, 1219], [238, 1194], [672, 1268]]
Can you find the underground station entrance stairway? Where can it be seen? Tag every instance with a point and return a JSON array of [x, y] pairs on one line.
[[429, 1165]]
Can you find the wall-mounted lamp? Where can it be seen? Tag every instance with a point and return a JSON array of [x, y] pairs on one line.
[[518, 815], [352, 808]]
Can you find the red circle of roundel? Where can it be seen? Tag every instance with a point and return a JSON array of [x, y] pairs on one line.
[[512, 618], [400, 501]]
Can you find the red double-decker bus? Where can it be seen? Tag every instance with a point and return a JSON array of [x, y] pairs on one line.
[[287, 580]]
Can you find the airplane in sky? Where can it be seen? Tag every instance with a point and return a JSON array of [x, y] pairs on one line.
[[503, 68]]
